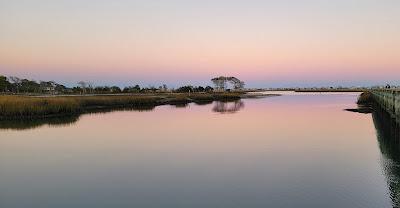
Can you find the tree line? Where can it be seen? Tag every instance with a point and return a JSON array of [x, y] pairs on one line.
[[16, 85]]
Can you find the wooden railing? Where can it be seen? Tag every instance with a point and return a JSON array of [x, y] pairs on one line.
[[388, 99]]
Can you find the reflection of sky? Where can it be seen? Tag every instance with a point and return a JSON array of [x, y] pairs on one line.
[[267, 43], [287, 151]]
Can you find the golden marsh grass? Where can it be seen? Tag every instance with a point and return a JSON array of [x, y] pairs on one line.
[[12, 106]]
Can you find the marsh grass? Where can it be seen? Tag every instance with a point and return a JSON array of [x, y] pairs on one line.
[[15, 107], [32, 107], [26, 107]]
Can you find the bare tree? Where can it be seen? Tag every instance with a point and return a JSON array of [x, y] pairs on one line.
[[241, 85], [237, 84], [83, 85], [165, 88], [90, 86], [221, 83]]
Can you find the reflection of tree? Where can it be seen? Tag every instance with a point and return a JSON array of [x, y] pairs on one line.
[[228, 107], [388, 135]]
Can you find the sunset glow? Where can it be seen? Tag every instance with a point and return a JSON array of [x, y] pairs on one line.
[[266, 43]]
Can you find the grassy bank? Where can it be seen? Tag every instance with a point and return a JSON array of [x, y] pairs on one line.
[[15, 107]]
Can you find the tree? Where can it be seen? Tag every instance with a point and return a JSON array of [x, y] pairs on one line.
[[164, 88], [100, 89], [221, 82], [29, 86], [16, 83], [130, 89], [4, 83], [208, 89], [185, 89], [115, 89], [199, 89], [90, 87], [239, 85], [59, 88], [77, 90], [149, 89]]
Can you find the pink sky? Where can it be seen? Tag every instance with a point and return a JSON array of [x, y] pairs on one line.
[[265, 43]]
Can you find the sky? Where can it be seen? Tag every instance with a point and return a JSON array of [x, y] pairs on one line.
[[265, 43]]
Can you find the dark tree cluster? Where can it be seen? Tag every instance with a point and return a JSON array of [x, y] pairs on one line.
[[106, 89], [132, 89], [18, 85], [190, 88]]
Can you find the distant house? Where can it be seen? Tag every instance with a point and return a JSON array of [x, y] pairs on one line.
[[49, 90], [48, 87]]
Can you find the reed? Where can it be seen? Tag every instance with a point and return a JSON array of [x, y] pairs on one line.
[[117, 101], [22, 107], [31, 107], [40, 107]]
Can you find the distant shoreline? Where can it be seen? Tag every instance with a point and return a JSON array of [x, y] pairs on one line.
[[344, 90]]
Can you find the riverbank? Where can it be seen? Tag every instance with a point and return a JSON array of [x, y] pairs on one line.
[[28, 107]]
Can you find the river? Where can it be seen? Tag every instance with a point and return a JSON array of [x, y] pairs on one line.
[[295, 150]]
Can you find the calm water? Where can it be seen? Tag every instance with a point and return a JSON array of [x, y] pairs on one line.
[[297, 150]]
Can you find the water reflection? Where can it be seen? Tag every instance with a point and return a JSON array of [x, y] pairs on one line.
[[388, 135], [228, 107], [59, 121], [195, 157], [366, 109], [25, 124], [22, 124], [180, 105]]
